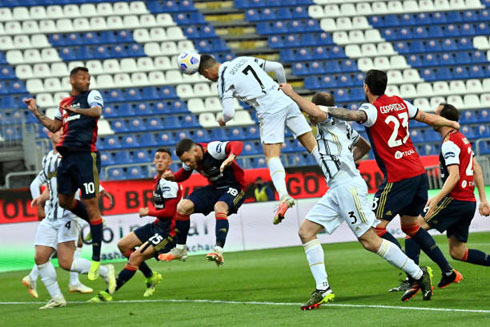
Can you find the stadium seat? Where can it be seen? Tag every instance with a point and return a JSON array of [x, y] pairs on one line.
[[116, 174]]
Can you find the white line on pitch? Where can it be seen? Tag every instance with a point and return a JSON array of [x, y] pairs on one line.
[[272, 303]]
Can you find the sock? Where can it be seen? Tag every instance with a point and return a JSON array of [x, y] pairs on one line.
[[222, 226], [80, 210], [73, 274], [394, 255], [315, 257], [412, 249], [383, 233], [278, 175], [477, 257], [34, 274], [80, 266], [96, 228], [48, 277], [126, 274], [429, 246], [146, 270], [182, 225], [181, 246]]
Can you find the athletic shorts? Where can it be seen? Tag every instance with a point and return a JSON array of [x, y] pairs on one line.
[[51, 232], [206, 197], [79, 170], [405, 197], [345, 202], [272, 125], [453, 216], [161, 240]]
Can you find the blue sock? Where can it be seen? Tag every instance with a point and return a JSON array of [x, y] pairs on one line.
[[96, 229], [126, 274], [478, 257], [222, 227], [412, 250], [429, 246], [80, 210], [146, 270]]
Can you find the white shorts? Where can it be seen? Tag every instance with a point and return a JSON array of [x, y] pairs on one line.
[[272, 125], [51, 232], [346, 202]]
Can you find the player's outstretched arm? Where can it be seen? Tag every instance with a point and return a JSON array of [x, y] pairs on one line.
[[52, 124], [94, 112], [361, 147], [305, 105], [277, 68], [484, 207], [435, 120], [228, 111], [346, 114]]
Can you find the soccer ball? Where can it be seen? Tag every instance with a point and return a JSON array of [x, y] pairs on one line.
[[188, 62]]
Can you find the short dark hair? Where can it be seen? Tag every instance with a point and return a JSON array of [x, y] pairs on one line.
[[184, 145], [205, 62], [449, 112], [323, 99], [75, 70], [376, 80], [164, 150]]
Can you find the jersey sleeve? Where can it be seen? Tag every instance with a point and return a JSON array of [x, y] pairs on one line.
[[217, 150], [261, 62], [412, 110], [36, 184], [353, 134], [58, 115], [450, 153], [371, 113], [169, 189], [95, 99]]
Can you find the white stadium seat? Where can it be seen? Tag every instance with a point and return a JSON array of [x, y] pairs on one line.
[[122, 80], [44, 100], [353, 51], [65, 25], [50, 55], [143, 64], [173, 77], [328, 24], [98, 24], [129, 65], [423, 104], [111, 66], [121, 8], [379, 8], [94, 67], [175, 33], [315, 11], [458, 87], [30, 27], [105, 81], [212, 104], [20, 13], [202, 90], [53, 84], [40, 41], [382, 63], [13, 28], [156, 78], [141, 35], [196, 105], [73, 64], [168, 48], [364, 8], [408, 91], [47, 26], [41, 70], [441, 88], [115, 22], [152, 49], [369, 50], [14, 57], [131, 22], [59, 69], [104, 9], [37, 12], [331, 10], [424, 89], [138, 7], [32, 56], [411, 76], [456, 100], [140, 79], [5, 14], [35, 85], [344, 23], [184, 45], [474, 85], [72, 11], [242, 117], [6, 43], [208, 120], [23, 71], [165, 20], [147, 21], [395, 77], [436, 101], [158, 34], [471, 101], [163, 63]]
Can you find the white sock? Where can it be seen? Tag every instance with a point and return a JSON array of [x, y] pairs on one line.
[[278, 175], [73, 274], [181, 246], [218, 249], [80, 266], [48, 277], [34, 274], [392, 253], [315, 257]]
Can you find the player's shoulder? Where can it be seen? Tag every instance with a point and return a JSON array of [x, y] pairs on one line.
[[95, 94], [216, 147], [367, 106], [168, 187]]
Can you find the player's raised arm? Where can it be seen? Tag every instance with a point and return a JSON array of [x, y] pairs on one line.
[[228, 111], [484, 207], [277, 68], [305, 105], [52, 124], [361, 147], [435, 120], [233, 150]]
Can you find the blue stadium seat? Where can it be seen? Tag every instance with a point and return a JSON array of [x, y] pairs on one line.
[[427, 61], [235, 133], [333, 66], [328, 82], [166, 139], [268, 14], [136, 125], [110, 142], [299, 12], [141, 156], [251, 148], [439, 18], [317, 68], [153, 124], [116, 174], [148, 139], [291, 41], [123, 157], [483, 115], [312, 82], [257, 162], [106, 159], [453, 30], [453, 17], [129, 141], [275, 42], [348, 66], [89, 38], [468, 117], [118, 126], [415, 61], [483, 131], [218, 134], [142, 109], [136, 173]]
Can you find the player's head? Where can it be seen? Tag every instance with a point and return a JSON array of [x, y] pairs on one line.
[[208, 67], [448, 111], [162, 160], [375, 83], [56, 136], [80, 79], [322, 99], [188, 153]]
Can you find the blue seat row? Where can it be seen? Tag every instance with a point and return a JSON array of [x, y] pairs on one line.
[[447, 59], [334, 81], [91, 38], [300, 40], [13, 101], [144, 108], [211, 45], [290, 26], [156, 123], [449, 17], [434, 45], [7, 72], [101, 52], [139, 94], [244, 4], [475, 116], [325, 67], [317, 53], [13, 86], [279, 13], [455, 72], [436, 31], [199, 32], [190, 18]]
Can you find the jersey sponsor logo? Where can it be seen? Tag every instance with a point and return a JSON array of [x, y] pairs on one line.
[[70, 118], [401, 154], [449, 155], [392, 107]]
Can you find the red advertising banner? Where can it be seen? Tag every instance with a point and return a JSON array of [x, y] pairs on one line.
[[129, 196]]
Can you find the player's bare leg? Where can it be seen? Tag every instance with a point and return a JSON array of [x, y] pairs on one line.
[[314, 254], [278, 175], [184, 209]]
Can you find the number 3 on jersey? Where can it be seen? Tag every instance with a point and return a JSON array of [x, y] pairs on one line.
[[393, 141]]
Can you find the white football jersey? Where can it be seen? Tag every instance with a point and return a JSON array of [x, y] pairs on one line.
[[47, 175], [335, 139], [244, 78]]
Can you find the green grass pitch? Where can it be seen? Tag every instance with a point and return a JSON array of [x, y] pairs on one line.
[[263, 288]]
